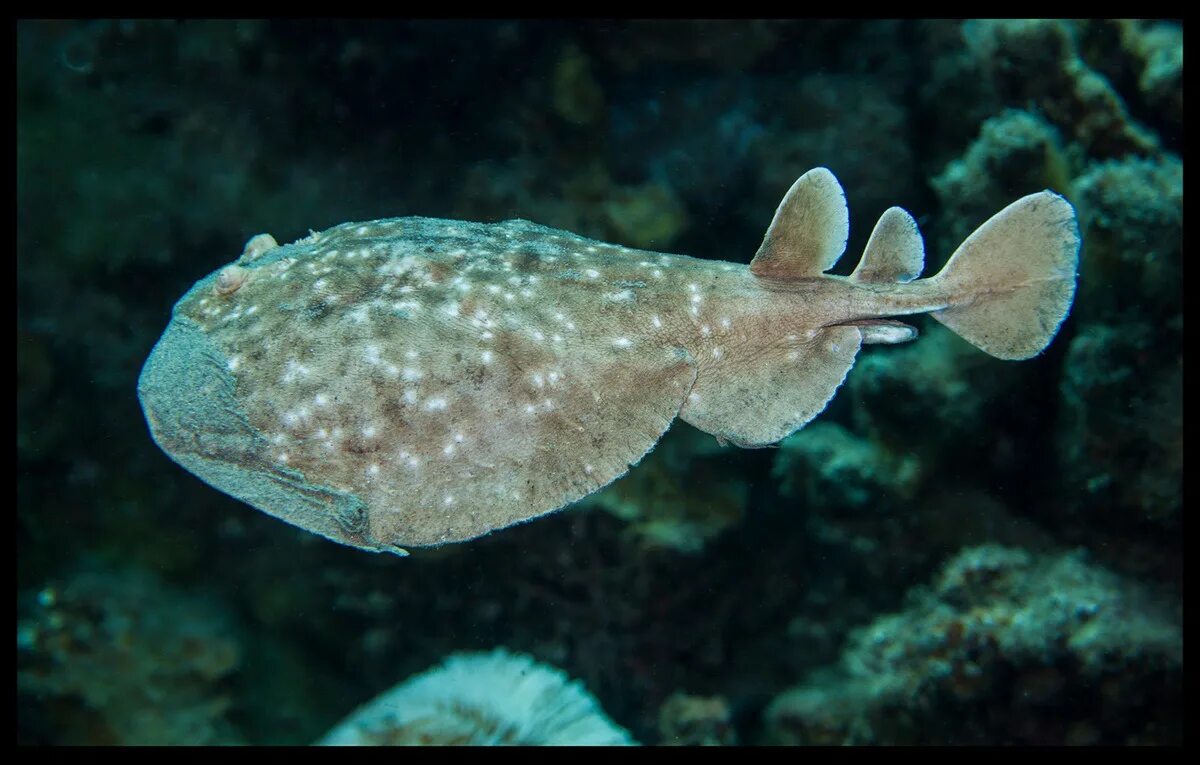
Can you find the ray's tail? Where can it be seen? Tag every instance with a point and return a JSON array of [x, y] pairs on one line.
[[1014, 278]]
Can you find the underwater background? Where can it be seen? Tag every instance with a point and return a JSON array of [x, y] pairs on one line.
[[958, 550]]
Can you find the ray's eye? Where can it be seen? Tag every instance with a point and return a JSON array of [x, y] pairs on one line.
[[230, 280]]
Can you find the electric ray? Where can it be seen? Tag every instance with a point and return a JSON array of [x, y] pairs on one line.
[[415, 381]]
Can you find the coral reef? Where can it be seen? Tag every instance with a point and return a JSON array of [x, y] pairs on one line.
[[1037, 61], [685, 493], [1004, 646], [828, 467], [118, 657], [1120, 429], [482, 699], [1131, 212], [1016, 153], [930, 397], [686, 720]]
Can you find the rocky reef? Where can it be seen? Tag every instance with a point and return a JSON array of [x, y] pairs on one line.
[[115, 656], [1003, 646]]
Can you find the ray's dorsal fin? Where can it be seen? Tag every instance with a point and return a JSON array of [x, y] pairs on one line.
[[808, 233], [894, 253]]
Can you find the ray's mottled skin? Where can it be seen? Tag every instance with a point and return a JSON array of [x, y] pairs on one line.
[[415, 381]]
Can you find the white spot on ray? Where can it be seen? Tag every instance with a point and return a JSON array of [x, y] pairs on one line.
[[293, 370], [622, 342]]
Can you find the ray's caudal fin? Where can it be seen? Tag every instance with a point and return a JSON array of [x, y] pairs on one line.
[[1014, 278]]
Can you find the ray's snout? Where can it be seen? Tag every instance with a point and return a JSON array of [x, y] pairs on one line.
[[186, 391]]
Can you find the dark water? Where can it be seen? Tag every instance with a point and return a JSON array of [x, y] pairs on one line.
[[959, 550]]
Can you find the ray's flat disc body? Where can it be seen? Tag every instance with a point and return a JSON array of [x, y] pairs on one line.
[[416, 381]]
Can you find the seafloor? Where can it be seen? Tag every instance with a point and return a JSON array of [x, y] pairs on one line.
[[960, 550]]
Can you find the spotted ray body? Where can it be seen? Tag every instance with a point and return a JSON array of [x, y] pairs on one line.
[[415, 381]]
